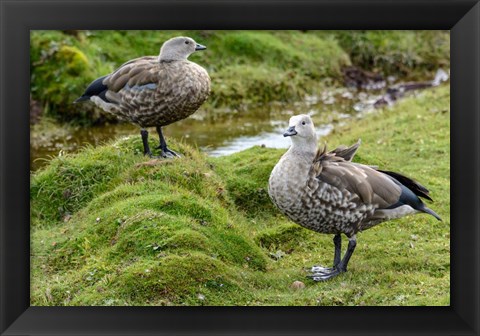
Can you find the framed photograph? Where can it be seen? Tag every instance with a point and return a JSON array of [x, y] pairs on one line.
[[123, 237]]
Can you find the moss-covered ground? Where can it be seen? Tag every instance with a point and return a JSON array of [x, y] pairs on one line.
[[111, 227]]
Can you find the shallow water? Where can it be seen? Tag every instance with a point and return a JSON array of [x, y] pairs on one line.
[[220, 132]]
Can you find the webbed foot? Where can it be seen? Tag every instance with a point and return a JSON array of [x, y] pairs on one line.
[[325, 273], [320, 273], [167, 153]]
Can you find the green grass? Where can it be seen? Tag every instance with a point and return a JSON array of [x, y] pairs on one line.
[[245, 66], [111, 227]]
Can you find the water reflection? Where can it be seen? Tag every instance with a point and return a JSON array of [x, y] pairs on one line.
[[220, 132]]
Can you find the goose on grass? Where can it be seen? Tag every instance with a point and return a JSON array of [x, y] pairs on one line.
[[154, 91], [328, 193]]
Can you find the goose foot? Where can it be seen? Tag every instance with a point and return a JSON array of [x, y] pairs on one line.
[[326, 273], [320, 273], [321, 269], [166, 152]]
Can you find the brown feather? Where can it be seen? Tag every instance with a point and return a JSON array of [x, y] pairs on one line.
[[370, 185], [345, 152]]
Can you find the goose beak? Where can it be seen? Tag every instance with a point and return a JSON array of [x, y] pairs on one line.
[[290, 131], [200, 47]]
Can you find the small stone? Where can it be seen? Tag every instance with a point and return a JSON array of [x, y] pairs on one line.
[[297, 285], [98, 219], [201, 297]]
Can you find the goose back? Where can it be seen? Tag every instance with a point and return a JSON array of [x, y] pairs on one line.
[[152, 93]]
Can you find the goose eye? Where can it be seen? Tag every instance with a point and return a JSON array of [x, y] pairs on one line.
[[303, 122], [187, 42]]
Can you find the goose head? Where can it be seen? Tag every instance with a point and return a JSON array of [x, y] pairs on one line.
[[179, 48], [302, 132]]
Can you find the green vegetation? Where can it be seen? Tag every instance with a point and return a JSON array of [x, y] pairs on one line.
[[111, 227], [245, 66], [397, 52]]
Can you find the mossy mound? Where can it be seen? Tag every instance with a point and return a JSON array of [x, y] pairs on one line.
[[111, 227], [120, 219]]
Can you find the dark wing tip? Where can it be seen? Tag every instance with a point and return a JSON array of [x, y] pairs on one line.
[[411, 184], [81, 99], [95, 88], [433, 213]]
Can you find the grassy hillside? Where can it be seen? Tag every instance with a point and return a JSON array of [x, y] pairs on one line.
[[245, 66], [111, 227]]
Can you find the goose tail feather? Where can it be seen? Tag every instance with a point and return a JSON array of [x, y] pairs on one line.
[[431, 212]]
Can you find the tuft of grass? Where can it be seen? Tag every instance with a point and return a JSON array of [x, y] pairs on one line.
[[284, 237], [202, 231]]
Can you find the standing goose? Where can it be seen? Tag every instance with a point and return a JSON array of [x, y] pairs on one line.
[[327, 193], [154, 91]]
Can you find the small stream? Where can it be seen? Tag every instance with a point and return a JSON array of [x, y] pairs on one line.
[[217, 133]]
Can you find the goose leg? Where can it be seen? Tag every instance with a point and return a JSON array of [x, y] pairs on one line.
[[337, 241], [166, 153], [341, 266], [146, 147]]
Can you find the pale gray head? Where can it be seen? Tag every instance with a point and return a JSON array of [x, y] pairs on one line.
[[179, 48], [302, 131]]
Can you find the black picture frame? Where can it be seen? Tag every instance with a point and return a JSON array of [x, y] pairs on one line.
[[19, 17]]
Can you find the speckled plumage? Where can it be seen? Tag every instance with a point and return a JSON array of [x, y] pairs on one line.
[[327, 193], [154, 91]]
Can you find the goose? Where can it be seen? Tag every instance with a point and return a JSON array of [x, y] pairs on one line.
[[154, 91], [328, 193]]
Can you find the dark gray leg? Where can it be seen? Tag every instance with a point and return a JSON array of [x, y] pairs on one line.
[[352, 243], [340, 267], [337, 241], [146, 148], [166, 153]]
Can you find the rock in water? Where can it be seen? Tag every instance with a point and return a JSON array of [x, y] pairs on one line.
[[327, 193], [154, 91]]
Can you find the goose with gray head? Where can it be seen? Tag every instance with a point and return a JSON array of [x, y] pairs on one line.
[[154, 91], [328, 193]]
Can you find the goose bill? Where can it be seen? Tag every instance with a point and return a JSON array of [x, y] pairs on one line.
[[290, 131]]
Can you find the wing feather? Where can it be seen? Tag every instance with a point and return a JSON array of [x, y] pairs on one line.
[[345, 152], [368, 184], [137, 72]]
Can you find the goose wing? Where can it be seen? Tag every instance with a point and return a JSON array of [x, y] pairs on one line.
[[385, 190], [136, 74], [364, 184]]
